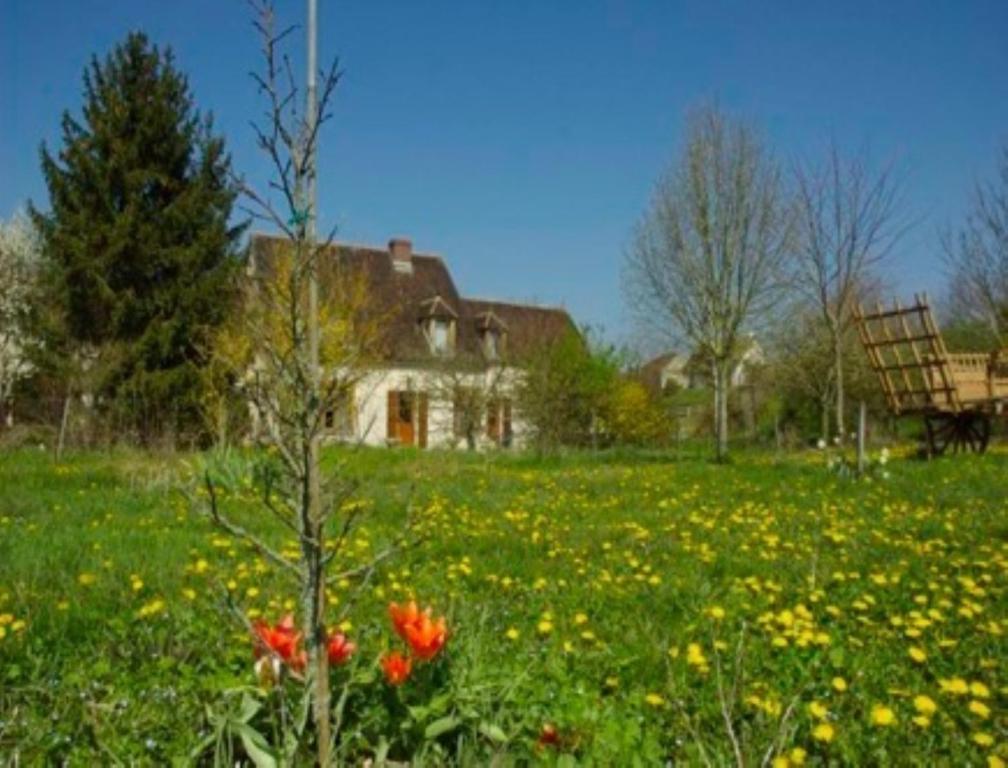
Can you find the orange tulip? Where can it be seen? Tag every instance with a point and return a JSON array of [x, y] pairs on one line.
[[403, 615], [426, 637], [340, 649], [396, 667]]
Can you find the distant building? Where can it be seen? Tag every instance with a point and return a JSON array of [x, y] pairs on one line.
[[673, 370]]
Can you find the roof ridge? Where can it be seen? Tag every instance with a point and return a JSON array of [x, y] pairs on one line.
[[347, 244], [522, 304]]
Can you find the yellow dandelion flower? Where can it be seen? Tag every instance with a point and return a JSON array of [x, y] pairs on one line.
[[580, 618], [781, 761], [544, 627], [654, 700], [982, 739], [798, 756], [979, 709], [3, 632], [882, 716], [189, 594], [993, 761], [152, 608], [512, 634], [716, 612], [955, 686], [86, 579], [921, 721], [979, 690], [925, 705], [917, 654], [839, 684], [818, 710], [824, 732]]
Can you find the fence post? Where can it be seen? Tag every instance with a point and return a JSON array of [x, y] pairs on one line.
[[862, 418]]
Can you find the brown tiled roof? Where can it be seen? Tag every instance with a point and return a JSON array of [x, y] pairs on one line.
[[527, 325], [405, 297]]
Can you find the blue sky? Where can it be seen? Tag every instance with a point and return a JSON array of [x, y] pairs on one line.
[[521, 139]]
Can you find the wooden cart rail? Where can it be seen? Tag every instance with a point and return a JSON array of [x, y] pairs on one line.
[[956, 393]]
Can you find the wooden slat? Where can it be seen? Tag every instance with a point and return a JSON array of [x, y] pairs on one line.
[[925, 375], [938, 345], [888, 342], [895, 350], [864, 330], [882, 314]]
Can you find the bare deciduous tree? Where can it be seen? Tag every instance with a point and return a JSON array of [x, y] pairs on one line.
[[278, 346], [706, 264], [470, 390], [846, 224], [977, 255]]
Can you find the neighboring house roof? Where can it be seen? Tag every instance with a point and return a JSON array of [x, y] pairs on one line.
[[410, 287]]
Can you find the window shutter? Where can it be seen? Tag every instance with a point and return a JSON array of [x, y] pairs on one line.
[[393, 415], [422, 416]]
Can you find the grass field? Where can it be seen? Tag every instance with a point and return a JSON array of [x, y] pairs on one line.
[[607, 610]]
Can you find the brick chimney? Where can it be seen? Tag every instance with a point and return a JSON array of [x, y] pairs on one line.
[[401, 251]]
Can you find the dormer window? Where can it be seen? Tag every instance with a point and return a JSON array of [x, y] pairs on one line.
[[491, 344], [440, 336], [492, 334], [437, 319]]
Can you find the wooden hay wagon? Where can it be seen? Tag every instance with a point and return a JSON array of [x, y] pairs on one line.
[[957, 395]]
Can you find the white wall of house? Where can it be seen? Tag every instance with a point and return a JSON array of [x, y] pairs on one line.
[[371, 404]]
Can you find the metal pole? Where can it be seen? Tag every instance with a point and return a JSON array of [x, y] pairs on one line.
[[321, 683], [311, 115]]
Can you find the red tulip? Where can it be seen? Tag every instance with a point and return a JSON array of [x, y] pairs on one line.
[[282, 640], [548, 736], [340, 649], [396, 667]]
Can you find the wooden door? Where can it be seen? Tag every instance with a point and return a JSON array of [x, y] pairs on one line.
[[400, 417]]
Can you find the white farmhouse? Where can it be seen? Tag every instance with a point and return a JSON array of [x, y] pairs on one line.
[[448, 365]]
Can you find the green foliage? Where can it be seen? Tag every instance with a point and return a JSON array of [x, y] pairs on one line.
[[964, 334], [632, 417], [139, 248], [564, 388]]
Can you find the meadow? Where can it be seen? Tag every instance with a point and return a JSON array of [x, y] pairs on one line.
[[610, 609]]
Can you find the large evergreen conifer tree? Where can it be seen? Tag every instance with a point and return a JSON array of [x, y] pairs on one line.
[[139, 244]]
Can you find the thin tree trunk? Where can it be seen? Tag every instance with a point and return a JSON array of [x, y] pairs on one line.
[[838, 365], [824, 414], [60, 441], [721, 409]]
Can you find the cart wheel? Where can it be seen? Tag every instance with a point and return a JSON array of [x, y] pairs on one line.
[[968, 431]]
